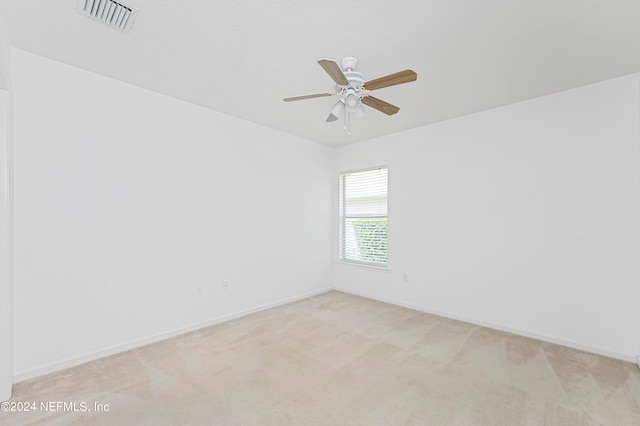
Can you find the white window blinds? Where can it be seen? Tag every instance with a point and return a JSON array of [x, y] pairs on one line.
[[363, 216]]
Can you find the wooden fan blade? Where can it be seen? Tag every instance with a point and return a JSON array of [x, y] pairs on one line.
[[380, 105], [334, 71], [391, 80], [299, 98]]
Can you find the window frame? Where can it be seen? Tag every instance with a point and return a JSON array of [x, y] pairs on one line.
[[343, 217]]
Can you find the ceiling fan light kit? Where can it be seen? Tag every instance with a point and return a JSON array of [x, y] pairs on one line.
[[336, 111], [353, 90]]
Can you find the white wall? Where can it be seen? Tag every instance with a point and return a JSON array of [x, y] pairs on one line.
[[126, 201], [524, 217], [6, 288], [5, 52], [6, 303]]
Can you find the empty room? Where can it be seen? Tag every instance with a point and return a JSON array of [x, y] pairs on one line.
[[319, 213]]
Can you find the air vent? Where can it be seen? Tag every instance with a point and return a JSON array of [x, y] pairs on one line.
[[115, 14]]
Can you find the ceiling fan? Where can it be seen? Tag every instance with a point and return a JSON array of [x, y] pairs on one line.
[[353, 91]]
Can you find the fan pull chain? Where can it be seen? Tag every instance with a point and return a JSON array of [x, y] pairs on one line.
[[345, 118]]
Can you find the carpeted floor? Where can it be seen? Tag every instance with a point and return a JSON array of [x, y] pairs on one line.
[[338, 359]]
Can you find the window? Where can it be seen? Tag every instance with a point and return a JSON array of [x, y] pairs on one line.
[[363, 216]]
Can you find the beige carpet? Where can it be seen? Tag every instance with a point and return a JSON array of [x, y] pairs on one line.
[[338, 359]]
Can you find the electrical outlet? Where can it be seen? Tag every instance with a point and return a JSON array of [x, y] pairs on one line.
[[198, 291], [225, 285], [405, 277]]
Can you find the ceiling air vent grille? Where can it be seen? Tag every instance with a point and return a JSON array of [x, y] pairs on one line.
[[115, 14]]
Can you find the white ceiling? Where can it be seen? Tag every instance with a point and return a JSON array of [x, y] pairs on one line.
[[242, 57]]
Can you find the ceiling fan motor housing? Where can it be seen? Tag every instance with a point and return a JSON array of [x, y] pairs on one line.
[[355, 79]]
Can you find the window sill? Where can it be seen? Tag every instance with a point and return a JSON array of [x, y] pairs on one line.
[[363, 265]]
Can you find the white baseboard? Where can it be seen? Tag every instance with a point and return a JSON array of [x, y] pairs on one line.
[[23, 375], [31, 373], [542, 337]]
